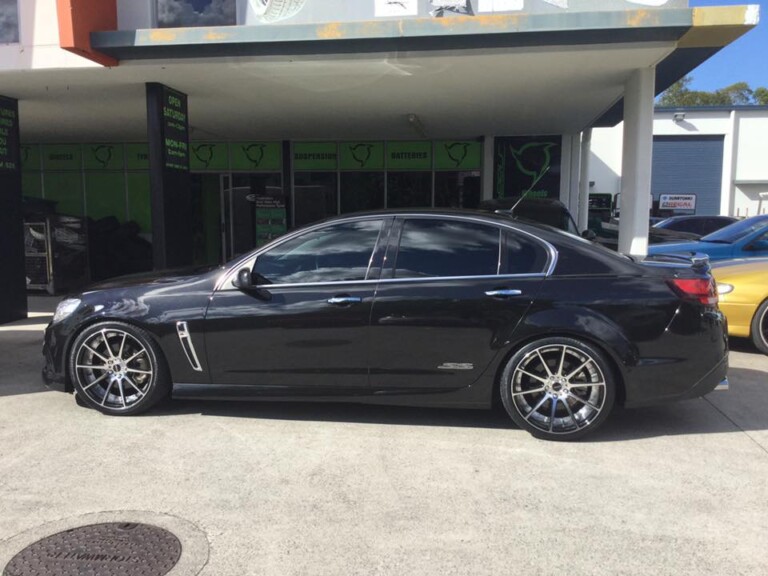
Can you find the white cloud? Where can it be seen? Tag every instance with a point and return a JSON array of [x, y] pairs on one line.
[[9, 21], [176, 13]]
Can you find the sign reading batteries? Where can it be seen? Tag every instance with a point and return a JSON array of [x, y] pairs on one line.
[[9, 134], [175, 129], [677, 202]]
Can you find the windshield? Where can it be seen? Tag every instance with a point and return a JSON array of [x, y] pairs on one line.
[[736, 231]]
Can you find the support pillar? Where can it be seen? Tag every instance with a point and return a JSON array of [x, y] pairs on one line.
[[168, 134], [13, 287], [637, 162], [583, 212], [489, 165]]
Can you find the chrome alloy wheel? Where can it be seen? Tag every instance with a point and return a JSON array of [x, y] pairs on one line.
[[113, 369], [558, 389]]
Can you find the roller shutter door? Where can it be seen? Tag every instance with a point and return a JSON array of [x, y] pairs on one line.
[[689, 165]]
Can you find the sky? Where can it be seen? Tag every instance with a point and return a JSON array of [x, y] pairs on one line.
[[745, 60]]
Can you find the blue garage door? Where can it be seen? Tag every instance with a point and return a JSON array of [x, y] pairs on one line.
[[689, 165]]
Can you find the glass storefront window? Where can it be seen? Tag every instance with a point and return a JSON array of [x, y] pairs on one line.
[[181, 13], [9, 21], [409, 189], [457, 189], [315, 197], [362, 191]]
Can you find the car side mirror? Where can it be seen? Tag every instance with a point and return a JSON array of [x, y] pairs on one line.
[[589, 235], [243, 279], [758, 246]]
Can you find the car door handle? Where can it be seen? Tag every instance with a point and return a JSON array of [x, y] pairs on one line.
[[344, 300], [503, 293]]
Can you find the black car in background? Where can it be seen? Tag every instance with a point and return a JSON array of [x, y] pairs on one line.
[[419, 308], [699, 225]]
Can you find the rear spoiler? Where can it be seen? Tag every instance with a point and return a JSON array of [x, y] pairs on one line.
[[697, 261]]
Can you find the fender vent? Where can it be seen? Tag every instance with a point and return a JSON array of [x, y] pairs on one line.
[[188, 346]]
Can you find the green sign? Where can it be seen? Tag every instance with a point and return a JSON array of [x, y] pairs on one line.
[[175, 129], [103, 156], [256, 156], [409, 155], [458, 155], [209, 156], [361, 155], [61, 157], [315, 156], [137, 156], [9, 134], [30, 157]]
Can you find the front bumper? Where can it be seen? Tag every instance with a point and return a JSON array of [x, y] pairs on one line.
[[54, 375]]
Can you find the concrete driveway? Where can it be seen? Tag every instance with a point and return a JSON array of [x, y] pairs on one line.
[[300, 489]]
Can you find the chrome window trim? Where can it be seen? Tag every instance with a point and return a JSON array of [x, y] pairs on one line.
[[400, 280], [225, 283]]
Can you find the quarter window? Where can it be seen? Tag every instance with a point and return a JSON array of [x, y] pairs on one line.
[[338, 253], [433, 248], [523, 255]]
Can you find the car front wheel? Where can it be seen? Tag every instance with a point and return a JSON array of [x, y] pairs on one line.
[[558, 388], [760, 328], [117, 369]]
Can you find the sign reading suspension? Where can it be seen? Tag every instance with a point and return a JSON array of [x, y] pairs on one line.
[[9, 134], [677, 202]]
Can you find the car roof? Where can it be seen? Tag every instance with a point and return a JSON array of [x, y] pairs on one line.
[[541, 231]]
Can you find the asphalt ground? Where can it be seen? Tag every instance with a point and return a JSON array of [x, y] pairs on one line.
[[317, 489]]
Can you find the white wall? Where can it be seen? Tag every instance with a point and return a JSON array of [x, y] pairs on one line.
[[136, 14], [745, 160], [38, 45]]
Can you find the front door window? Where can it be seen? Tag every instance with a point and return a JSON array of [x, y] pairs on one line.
[[340, 253]]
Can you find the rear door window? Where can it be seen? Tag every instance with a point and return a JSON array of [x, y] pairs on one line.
[[432, 247]]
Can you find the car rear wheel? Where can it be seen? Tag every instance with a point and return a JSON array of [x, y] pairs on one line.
[[558, 388], [117, 369], [760, 328]]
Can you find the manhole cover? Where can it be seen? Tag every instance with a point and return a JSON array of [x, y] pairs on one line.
[[114, 549]]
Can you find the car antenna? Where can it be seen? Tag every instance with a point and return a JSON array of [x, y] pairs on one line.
[[539, 177]]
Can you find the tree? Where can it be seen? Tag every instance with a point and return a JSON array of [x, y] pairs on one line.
[[738, 94], [761, 96]]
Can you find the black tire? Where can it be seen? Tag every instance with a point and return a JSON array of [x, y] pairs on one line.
[[276, 10], [570, 375], [759, 328], [118, 369]]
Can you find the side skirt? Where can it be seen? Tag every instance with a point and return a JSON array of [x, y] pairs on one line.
[[469, 397]]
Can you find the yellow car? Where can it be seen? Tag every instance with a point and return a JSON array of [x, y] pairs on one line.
[[743, 288]]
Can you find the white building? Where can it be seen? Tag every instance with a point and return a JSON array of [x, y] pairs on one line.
[[720, 154]]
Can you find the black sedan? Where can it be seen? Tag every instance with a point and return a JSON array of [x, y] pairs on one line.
[[427, 308]]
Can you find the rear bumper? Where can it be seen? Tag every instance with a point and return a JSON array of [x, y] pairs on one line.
[[716, 379]]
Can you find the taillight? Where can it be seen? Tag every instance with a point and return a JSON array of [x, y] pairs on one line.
[[701, 289]]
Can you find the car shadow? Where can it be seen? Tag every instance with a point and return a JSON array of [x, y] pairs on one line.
[[745, 345], [744, 407], [341, 412]]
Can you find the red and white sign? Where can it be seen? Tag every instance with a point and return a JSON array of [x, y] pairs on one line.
[[677, 202]]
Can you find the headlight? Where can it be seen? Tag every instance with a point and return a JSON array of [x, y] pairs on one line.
[[724, 288], [65, 309]]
